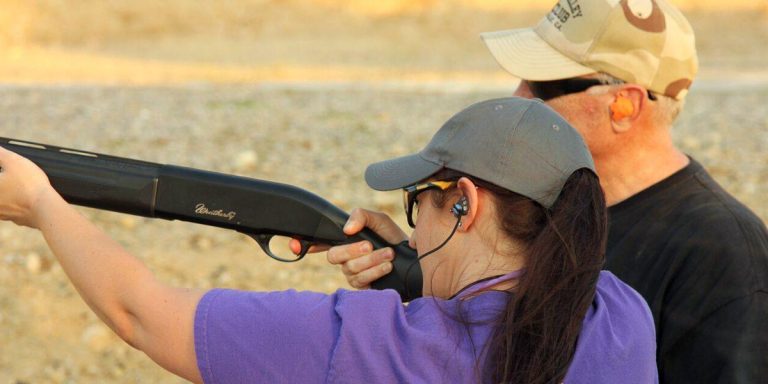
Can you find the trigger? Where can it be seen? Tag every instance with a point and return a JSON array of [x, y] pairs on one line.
[[304, 248]]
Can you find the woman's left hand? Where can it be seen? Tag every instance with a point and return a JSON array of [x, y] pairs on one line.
[[23, 185]]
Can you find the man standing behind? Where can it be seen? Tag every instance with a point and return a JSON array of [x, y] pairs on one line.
[[619, 72], [698, 256]]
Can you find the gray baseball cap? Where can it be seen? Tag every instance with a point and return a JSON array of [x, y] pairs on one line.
[[518, 144]]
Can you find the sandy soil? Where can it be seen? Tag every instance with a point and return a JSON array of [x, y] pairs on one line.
[[228, 114]]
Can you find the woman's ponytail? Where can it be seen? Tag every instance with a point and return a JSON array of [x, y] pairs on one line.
[[535, 339]]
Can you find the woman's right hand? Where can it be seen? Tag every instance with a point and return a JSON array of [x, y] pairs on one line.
[[23, 186], [361, 264]]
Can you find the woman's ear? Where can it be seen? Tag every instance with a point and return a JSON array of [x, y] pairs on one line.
[[468, 204]]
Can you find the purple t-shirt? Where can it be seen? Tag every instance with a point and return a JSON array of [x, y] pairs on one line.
[[370, 336]]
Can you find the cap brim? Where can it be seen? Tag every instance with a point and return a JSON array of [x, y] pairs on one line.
[[524, 54], [399, 172]]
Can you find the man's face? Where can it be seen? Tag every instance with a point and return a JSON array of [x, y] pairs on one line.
[[587, 111]]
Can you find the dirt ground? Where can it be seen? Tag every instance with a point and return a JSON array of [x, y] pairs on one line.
[[310, 104]]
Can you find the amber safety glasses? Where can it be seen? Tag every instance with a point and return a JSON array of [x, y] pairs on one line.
[[411, 192]]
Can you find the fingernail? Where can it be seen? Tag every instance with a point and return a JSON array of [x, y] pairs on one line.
[[386, 267], [389, 254], [365, 247], [347, 225]]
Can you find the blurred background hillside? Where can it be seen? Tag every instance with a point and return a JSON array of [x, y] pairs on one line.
[[306, 92], [177, 41]]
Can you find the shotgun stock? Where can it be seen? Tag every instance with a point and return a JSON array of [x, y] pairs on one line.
[[258, 208]]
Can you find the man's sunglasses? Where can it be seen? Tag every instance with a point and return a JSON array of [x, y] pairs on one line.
[[547, 90], [411, 192]]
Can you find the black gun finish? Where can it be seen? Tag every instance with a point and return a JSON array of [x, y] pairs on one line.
[[258, 208]]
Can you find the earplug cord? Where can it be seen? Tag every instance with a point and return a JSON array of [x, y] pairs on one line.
[[408, 271]]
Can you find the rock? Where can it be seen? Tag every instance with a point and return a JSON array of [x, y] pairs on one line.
[[118, 370], [128, 222], [34, 263], [201, 242], [282, 275], [691, 143], [98, 337], [9, 259], [245, 161], [91, 369], [221, 276], [56, 372]]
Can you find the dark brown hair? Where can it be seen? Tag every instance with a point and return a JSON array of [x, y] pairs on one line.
[[535, 337]]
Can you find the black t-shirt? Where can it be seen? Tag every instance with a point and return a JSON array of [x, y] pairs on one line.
[[700, 259]]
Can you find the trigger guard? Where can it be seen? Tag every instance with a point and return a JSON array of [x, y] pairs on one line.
[[263, 241]]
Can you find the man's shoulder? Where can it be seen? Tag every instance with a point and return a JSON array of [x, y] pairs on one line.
[[720, 200], [688, 228], [706, 209], [712, 230], [694, 202]]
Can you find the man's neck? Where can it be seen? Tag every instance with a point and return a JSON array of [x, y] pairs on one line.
[[627, 173]]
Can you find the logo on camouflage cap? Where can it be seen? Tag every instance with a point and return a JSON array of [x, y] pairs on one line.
[[646, 42]]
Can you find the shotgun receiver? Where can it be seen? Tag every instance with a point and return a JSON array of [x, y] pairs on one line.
[[258, 208]]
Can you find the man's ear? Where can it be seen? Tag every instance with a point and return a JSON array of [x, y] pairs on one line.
[[627, 104], [468, 191]]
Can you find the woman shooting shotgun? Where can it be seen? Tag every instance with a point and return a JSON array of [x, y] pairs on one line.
[[510, 232]]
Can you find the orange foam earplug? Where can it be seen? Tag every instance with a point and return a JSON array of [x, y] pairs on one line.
[[621, 108]]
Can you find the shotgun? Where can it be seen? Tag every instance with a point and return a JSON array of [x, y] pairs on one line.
[[258, 208]]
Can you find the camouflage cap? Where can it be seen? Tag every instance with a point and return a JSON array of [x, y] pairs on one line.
[[645, 42]]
